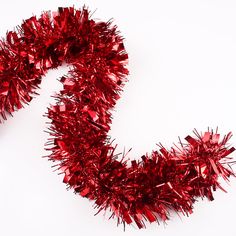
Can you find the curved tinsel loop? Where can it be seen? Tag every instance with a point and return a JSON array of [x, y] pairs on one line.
[[145, 190]]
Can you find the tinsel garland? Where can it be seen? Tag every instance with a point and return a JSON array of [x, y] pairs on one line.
[[144, 190]]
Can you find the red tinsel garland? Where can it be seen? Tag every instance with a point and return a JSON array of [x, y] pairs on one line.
[[146, 189]]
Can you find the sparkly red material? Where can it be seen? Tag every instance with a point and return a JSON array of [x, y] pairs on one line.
[[136, 191]]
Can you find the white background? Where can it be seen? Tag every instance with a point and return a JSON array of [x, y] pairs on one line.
[[182, 76]]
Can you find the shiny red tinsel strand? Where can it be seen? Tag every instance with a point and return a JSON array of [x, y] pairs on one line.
[[147, 189]]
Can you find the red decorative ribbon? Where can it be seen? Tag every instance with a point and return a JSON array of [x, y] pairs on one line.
[[146, 189]]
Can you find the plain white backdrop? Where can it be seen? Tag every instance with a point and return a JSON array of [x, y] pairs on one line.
[[182, 76]]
